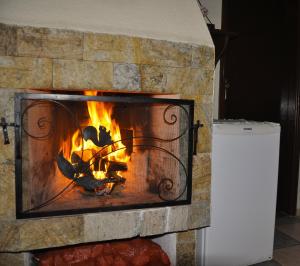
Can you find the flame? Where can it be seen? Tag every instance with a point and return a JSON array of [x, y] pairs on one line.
[[100, 114]]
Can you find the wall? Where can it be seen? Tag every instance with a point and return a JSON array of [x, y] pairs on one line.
[[298, 195], [215, 15], [173, 20]]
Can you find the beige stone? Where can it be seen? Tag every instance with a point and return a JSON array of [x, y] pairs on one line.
[[9, 236], [111, 48], [204, 139], [154, 222], [201, 189], [7, 191], [203, 57], [198, 81], [52, 232], [7, 103], [111, 225], [185, 254], [177, 218], [7, 111], [186, 237], [8, 39], [15, 259], [203, 113], [164, 53], [77, 74], [126, 77], [201, 165], [201, 177], [25, 72], [7, 154], [49, 43], [203, 107], [183, 80], [154, 79], [199, 214]]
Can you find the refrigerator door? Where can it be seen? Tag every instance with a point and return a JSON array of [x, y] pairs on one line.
[[244, 186]]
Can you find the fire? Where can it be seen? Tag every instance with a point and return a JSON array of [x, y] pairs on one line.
[[100, 114]]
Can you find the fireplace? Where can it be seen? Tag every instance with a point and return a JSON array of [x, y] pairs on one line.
[[147, 50], [87, 153]]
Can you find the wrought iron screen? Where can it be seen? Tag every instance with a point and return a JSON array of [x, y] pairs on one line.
[[87, 153]]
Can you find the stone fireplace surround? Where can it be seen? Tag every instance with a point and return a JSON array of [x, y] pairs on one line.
[[56, 59]]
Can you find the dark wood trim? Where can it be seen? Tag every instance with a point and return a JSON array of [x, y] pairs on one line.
[[222, 106], [290, 114], [289, 118]]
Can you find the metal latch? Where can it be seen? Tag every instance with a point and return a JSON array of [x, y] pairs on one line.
[[4, 126], [195, 128]]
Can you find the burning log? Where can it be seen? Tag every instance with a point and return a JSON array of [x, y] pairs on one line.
[[116, 166], [82, 175], [97, 174], [104, 138]]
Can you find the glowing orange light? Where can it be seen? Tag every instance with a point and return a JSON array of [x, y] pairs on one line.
[[100, 114]]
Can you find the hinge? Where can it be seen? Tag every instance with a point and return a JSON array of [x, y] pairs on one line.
[[4, 126], [195, 131]]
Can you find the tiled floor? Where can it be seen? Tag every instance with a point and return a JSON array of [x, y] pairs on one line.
[[286, 243]]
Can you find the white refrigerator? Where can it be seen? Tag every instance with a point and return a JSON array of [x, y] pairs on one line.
[[243, 197]]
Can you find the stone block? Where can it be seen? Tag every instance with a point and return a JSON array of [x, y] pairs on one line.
[[183, 80], [196, 81], [186, 254], [201, 189], [204, 109], [7, 111], [165, 53], [9, 236], [7, 154], [201, 165], [110, 48], [49, 43], [111, 225], [199, 214], [186, 237], [25, 72], [177, 218], [126, 77], [15, 259], [154, 222], [154, 79], [51, 232], [203, 57], [204, 139], [8, 39], [77, 74], [7, 191]]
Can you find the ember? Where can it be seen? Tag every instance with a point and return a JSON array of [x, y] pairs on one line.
[[96, 156]]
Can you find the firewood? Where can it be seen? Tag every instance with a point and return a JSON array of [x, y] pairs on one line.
[[116, 166]]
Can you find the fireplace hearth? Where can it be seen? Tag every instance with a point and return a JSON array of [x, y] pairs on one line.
[[88, 153], [58, 61]]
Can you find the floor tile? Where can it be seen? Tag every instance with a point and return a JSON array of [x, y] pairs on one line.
[[282, 240], [288, 256], [292, 230], [287, 220], [268, 263]]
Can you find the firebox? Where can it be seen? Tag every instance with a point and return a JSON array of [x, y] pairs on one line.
[[89, 153]]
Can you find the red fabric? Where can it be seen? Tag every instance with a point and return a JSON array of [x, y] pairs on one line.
[[136, 252]]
